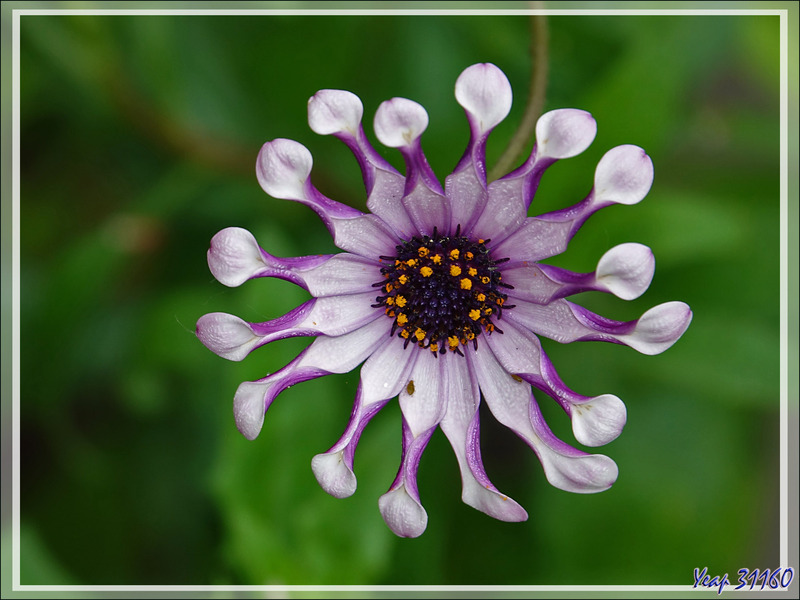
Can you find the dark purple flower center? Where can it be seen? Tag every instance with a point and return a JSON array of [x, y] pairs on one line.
[[442, 291]]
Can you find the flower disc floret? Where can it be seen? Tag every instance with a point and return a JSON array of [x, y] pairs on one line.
[[442, 291]]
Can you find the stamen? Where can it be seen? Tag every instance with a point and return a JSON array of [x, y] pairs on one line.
[[445, 304]]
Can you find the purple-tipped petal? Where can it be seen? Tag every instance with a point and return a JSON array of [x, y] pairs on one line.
[[623, 176], [334, 475], [560, 134], [232, 338], [227, 336], [249, 408], [235, 257], [399, 123], [485, 94], [332, 112], [659, 328], [403, 512], [599, 420], [340, 274], [625, 271], [513, 405], [339, 113], [595, 420], [422, 400], [655, 331], [400, 506], [324, 356], [564, 133], [382, 377], [283, 168], [461, 425], [568, 468]]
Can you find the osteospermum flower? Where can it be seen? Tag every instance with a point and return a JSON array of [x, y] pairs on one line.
[[440, 292]]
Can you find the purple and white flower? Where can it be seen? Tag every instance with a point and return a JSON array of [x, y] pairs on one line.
[[441, 294]]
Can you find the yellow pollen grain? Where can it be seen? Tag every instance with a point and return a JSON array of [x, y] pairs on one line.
[[404, 333], [472, 271], [434, 348], [452, 341], [400, 301], [402, 319], [419, 334], [455, 270], [499, 301], [484, 279], [466, 284], [390, 300], [454, 254], [487, 311], [388, 287], [470, 334], [474, 314], [411, 262], [481, 241], [403, 279], [423, 252], [469, 256], [481, 297], [426, 271], [437, 259]]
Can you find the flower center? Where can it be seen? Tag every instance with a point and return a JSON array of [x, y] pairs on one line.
[[442, 291]]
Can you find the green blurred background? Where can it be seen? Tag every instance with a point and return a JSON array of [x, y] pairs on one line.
[[138, 142]]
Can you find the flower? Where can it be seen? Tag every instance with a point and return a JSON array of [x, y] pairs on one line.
[[442, 295]]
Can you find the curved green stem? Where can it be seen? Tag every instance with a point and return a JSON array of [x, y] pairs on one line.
[[536, 95]]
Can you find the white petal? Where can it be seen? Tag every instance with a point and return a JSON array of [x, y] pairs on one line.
[[337, 315], [623, 176], [585, 474], [399, 121], [387, 371], [659, 328], [249, 408], [226, 335], [283, 167], [234, 256], [422, 401], [512, 404], [404, 515], [598, 421], [460, 425], [333, 475], [484, 92], [334, 111], [345, 352], [564, 133], [626, 270], [342, 274]]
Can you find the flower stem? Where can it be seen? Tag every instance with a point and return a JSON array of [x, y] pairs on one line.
[[536, 95]]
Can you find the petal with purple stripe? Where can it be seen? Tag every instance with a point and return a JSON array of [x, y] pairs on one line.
[[324, 356], [283, 168], [461, 425], [382, 377]]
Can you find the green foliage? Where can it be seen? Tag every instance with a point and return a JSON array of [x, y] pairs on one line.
[[139, 137]]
